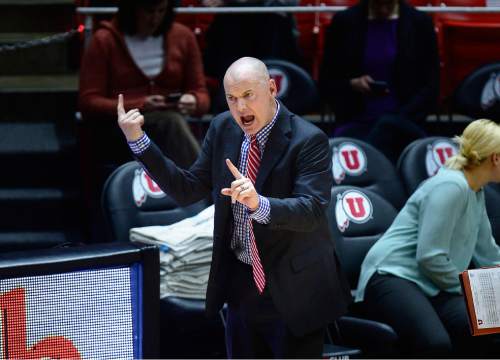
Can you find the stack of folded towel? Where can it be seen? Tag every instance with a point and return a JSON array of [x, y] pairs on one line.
[[185, 253]]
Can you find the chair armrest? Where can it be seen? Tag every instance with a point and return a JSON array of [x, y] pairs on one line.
[[372, 337]]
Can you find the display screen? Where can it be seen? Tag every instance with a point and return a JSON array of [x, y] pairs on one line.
[[88, 314]]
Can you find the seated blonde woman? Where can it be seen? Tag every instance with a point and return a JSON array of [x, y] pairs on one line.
[[409, 278]]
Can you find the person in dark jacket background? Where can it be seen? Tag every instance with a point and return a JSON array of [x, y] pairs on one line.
[[380, 73]]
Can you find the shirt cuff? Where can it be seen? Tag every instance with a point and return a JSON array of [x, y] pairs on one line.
[[139, 146], [263, 213]]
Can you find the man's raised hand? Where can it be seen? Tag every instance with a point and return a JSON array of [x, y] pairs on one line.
[[130, 122], [242, 189]]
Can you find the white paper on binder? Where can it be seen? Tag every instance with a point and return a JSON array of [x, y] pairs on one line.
[[485, 288]]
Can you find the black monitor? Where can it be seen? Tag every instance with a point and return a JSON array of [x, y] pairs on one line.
[[89, 302]]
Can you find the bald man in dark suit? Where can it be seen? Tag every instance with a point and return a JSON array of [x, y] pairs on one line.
[[269, 174]]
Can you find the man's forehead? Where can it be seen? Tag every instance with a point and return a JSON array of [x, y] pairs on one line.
[[241, 85]]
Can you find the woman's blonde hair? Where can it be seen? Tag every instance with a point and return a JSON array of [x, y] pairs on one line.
[[480, 139]]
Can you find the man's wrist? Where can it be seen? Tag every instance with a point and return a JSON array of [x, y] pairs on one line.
[[263, 212], [140, 145], [135, 136]]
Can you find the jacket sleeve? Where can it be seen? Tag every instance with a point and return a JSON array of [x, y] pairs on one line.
[[425, 99], [194, 75], [184, 186], [305, 208], [95, 73]]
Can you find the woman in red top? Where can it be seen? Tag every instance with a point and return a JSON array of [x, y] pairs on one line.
[[156, 63]]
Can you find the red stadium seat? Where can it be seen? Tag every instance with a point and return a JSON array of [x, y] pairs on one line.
[[453, 38], [199, 23], [312, 28], [466, 46]]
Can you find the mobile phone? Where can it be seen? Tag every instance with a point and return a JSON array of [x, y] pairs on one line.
[[379, 87], [174, 97]]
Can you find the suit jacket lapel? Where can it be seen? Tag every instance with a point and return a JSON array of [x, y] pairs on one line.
[[276, 144]]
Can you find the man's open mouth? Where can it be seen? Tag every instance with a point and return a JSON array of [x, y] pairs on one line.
[[247, 120]]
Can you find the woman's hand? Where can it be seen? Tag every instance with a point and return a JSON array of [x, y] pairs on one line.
[[155, 103], [361, 84]]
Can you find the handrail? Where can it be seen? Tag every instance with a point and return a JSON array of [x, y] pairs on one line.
[[89, 12], [290, 9]]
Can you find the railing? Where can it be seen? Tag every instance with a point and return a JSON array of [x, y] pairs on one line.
[[89, 12]]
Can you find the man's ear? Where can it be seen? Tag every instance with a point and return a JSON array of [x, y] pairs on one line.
[[273, 89]]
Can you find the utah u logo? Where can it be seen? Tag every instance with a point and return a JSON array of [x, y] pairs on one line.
[[356, 207], [149, 185], [142, 186], [352, 205], [349, 159], [281, 80], [437, 154], [14, 333], [444, 153]]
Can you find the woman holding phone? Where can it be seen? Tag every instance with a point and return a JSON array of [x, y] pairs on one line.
[[380, 72], [156, 63]]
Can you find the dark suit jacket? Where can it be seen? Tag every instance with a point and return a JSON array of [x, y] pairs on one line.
[[416, 70], [298, 254]]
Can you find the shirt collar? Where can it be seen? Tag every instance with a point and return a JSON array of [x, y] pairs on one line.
[[263, 133]]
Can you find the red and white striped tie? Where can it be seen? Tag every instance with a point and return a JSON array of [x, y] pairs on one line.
[[253, 164]]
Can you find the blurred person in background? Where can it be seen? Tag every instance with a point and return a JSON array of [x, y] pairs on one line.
[[156, 63], [410, 277], [380, 73]]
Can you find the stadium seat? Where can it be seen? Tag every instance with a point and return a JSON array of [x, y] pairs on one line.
[[478, 96], [311, 27], [465, 44], [358, 163], [296, 88], [131, 199], [357, 218], [422, 159], [198, 23], [492, 199]]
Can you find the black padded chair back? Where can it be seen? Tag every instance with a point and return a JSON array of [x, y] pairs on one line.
[[478, 95], [422, 159], [355, 162], [131, 199], [492, 199], [296, 88], [358, 218]]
